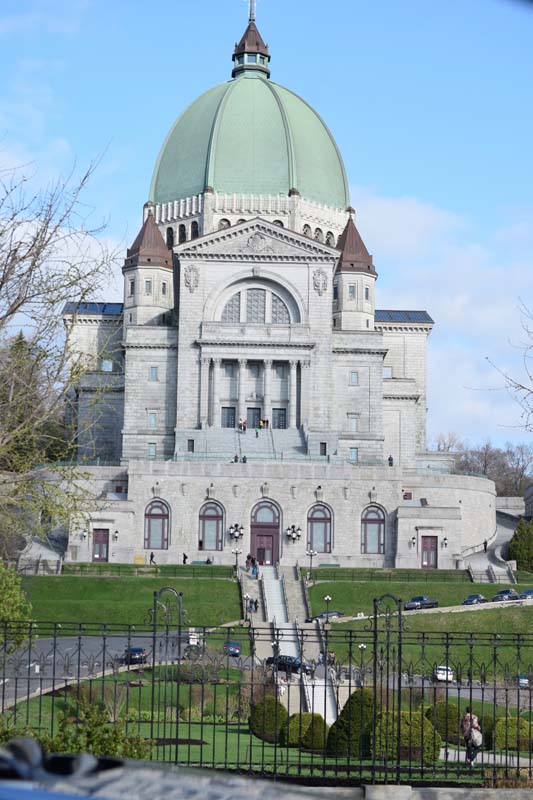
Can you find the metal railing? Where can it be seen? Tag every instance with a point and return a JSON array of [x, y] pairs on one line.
[[401, 697]]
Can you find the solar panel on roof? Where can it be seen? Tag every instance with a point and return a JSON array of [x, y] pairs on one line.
[[396, 315]]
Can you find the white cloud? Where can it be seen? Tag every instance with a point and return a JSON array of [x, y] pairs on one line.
[[472, 284]]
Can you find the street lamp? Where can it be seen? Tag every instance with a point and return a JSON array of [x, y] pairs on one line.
[[236, 552], [236, 531], [293, 533], [246, 601], [311, 554], [327, 600]]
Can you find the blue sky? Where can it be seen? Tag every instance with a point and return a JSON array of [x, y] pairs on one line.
[[430, 103]]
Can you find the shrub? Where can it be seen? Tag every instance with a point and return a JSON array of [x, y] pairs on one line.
[[512, 733], [417, 735], [267, 719], [486, 723], [350, 734], [316, 735], [294, 730], [446, 719]]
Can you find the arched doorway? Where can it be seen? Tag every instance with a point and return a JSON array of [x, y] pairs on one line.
[[265, 529]]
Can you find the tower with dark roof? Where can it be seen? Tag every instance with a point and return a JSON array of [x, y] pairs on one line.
[[354, 282]]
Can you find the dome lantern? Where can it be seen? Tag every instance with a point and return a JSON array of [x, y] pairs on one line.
[[251, 53]]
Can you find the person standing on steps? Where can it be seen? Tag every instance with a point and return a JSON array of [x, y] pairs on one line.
[[257, 433], [256, 605]]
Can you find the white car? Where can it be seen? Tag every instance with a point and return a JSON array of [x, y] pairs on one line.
[[443, 674]]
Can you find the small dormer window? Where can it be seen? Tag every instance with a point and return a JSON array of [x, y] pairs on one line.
[[367, 293], [252, 58], [240, 59], [262, 60], [148, 286]]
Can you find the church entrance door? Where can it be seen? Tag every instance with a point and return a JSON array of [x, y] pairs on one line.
[[253, 416], [279, 418], [265, 533]]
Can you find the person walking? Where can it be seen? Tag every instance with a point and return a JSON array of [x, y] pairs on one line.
[[152, 558], [240, 424], [251, 607], [257, 433], [485, 545], [244, 426], [185, 558], [256, 605], [472, 735], [261, 423]]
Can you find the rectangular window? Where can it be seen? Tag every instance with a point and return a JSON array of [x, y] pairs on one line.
[[254, 370], [130, 318], [351, 291], [190, 445], [407, 495], [335, 292], [152, 419], [354, 455], [152, 450], [353, 423], [148, 286], [252, 58], [164, 288], [280, 371], [106, 365], [367, 293], [154, 373], [387, 372], [323, 448], [228, 370], [132, 288], [354, 378]]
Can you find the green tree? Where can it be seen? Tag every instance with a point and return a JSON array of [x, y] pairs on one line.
[[15, 608], [267, 719], [521, 546], [350, 733]]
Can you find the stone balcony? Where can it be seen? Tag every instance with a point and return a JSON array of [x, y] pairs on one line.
[[264, 335]]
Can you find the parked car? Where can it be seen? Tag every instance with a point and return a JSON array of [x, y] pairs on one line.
[[474, 600], [325, 616], [522, 681], [232, 648], [420, 601], [288, 664], [135, 655], [505, 594], [443, 673], [527, 594]]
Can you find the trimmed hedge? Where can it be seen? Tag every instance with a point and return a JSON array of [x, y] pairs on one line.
[[446, 719], [267, 719], [294, 729], [419, 740], [513, 733], [316, 735], [350, 734]]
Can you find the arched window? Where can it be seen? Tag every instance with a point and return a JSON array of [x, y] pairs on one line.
[[182, 234], [330, 239], [211, 529], [373, 530], [156, 526], [194, 230], [240, 221], [266, 513], [170, 237], [280, 312], [319, 529], [307, 230], [279, 223], [232, 310], [224, 223], [319, 236]]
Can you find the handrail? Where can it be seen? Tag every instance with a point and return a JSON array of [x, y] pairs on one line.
[[263, 599], [307, 599], [477, 548], [243, 601], [284, 595]]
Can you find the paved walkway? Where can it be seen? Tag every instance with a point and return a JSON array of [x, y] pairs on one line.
[[480, 561]]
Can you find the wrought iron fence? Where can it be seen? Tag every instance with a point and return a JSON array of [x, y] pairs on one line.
[[372, 702]]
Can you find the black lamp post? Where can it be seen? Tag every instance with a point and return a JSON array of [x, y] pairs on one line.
[[236, 552], [327, 600], [311, 554]]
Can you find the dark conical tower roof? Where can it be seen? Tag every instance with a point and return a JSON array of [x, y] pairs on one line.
[[354, 255], [149, 246], [251, 53]]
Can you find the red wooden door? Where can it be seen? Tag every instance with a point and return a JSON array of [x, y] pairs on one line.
[[429, 552], [100, 545]]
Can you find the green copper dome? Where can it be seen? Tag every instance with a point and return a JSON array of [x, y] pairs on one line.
[[250, 136]]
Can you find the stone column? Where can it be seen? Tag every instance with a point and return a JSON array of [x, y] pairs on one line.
[[204, 391], [267, 402], [305, 393], [292, 395], [241, 411], [215, 410]]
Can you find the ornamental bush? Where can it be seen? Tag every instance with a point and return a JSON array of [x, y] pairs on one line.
[[350, 734], [267, 719], [513, 733], [419, 740], [521, 546], [316, 735], [294, 729], [446, 719]]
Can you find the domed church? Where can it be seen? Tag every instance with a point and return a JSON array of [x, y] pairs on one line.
[[248, 395]]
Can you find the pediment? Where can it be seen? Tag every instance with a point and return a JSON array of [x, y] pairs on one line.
[[256, 240]]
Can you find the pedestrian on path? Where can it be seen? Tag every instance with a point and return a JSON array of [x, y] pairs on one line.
[[152, 558], [472, 735], [485, 545], [244, 426], [185, 558], [257, 433], [256, 605], [251, 606]]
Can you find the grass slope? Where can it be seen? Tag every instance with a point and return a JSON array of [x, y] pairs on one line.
[[127, 600]]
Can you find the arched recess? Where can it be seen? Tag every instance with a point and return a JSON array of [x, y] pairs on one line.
[[281, 302], [156, 525], [265, 529], [170, 237], [211, 527], [307, 231], [330, 239], [320, 528], [194, 230], [182, 234], [319, 236], [373, 526], [223, 224]]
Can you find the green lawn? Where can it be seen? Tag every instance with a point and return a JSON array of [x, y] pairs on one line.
[[127, 600], [352, 597]]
